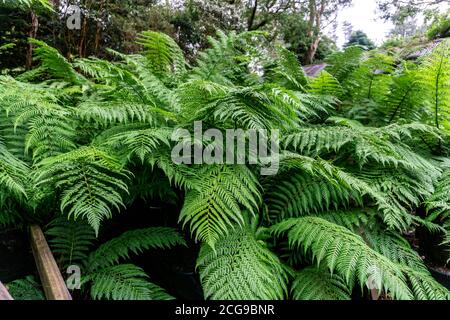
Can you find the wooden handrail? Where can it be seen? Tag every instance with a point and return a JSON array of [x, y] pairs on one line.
[[4, 294], [52, 281]]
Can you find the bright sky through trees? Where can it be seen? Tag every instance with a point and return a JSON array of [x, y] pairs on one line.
[[363, 16]]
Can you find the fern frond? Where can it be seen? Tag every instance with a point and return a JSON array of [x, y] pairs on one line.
[[70, 240], [139, 143], [344, 252], [325, 84], [223, 62], [435, 77], [342, 186], [287, 72], [13, 173], [318, 284], [215, 206], [241, 268], [91, 182], [133, 242], [123, 282], [342, 64], [26, 289], [55, 63], [163, 54]]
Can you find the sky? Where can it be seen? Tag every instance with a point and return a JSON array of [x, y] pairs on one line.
[[363, 16]]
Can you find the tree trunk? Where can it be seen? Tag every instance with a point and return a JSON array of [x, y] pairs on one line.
[[32, 34], [314, 25], [310, 54], [82, 44], [251, 19], [98, 30]]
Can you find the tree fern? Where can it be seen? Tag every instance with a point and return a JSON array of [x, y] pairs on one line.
[[435, 77], [215, 206], [71, 241], [164, 55], [124, 282], [135, 242], [55, 63], [90, 180], [241, 268], [343, 252], [318, 284]]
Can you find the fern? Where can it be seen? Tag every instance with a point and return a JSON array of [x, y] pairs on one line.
[[361, 149], [13, 173], [26, 289], [435, 77], [215, 206], [164, 55], [55, 63], [287, 71], [139, 143], [342, 64], [70, 240], [241, 268], [315, 284], [124, 282], [344, 186], [90, 181], [325, 84], [135, 241], [343, 252], [346, 253]]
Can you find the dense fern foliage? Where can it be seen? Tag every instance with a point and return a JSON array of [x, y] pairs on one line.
[[364, 151]]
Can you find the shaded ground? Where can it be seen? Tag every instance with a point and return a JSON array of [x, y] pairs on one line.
[[16, 259]]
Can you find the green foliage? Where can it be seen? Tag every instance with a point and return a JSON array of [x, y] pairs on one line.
[[163, 54], [241, 268], [124, 282], [26, 289], [440, 28], [70, 241], [54, 63], [135, 241], [363, 146], [103, 274], [435, 76], [341, 64], [317, 284], [91, 182], [345, 253], [361, 39], [215, 206]]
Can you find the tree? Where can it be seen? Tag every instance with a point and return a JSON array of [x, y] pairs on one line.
[[347, 28], [360, 38], [405, 27], [83, 140], [320, 14], [293, 32], [401, 9], [26, 14]]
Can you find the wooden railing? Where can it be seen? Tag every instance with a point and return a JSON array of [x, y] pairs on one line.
[[52, 281], [4, 294], [51, 278]]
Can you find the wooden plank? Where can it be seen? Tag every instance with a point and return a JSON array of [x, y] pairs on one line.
[[4, 294], [52, 281]]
